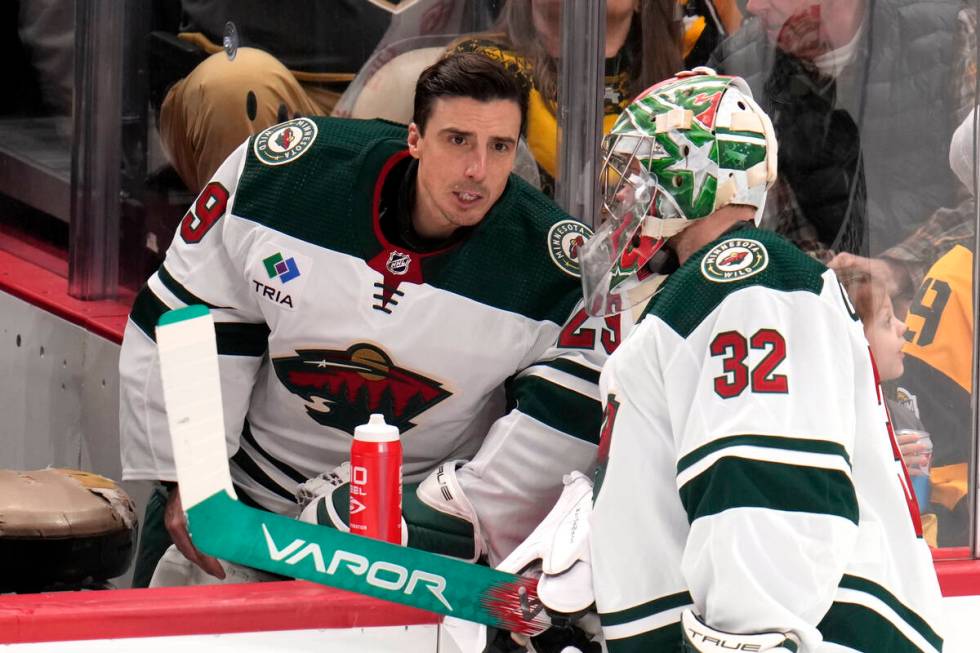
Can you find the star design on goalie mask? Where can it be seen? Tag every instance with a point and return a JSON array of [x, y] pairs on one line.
[[697, 162]]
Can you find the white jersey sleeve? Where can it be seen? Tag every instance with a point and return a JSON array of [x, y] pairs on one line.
[[202, 266], [551, 430]]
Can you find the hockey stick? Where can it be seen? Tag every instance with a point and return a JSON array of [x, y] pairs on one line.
[[222, 526]]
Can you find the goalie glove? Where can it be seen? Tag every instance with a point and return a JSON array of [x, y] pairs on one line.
[[559, 547], [325, 500], [699, 638]]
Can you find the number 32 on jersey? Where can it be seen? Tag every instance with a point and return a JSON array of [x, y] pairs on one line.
[[733, 348]]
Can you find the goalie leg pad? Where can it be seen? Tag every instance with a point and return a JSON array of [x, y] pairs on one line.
[[325, 500], [440, 518], [441, 528], [699, 638]]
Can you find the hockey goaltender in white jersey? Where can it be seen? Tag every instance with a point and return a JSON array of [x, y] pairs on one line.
[[323, 318], [750, 494]]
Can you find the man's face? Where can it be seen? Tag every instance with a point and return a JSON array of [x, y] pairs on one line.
[[465, 157], [796, 26]]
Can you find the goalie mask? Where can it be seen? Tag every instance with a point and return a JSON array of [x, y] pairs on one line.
[[682, 150]]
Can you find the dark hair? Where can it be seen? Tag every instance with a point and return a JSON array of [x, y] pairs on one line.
[[469, 75]]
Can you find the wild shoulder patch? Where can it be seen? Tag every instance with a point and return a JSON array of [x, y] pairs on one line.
[[285, 142], [565, 241], [734, 259]]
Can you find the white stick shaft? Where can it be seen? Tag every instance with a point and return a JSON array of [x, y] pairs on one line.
[[192, 392]]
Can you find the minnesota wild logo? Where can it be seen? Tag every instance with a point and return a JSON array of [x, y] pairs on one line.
[[734, 259], [342, 388], [565, 240], [285, 142]]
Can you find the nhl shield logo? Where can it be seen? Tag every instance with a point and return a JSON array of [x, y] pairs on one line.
[[285, 142], [398, 263], [734, 259], [565, 241]]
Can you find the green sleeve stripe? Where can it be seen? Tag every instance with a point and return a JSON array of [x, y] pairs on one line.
[[249, 438], [178, 290], [665, 638], [908, 615], [234, 338], [862, 629], [241, 339], [146, 312], [562, 409], [575, 369], [257, 474], [733, 482], [769, 441], [647, 609]]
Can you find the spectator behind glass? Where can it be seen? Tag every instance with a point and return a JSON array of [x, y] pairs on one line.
[[643, 46], [863, 96], [938, 383], [886, 338], [296, 60], [938, 380], [901, 268]]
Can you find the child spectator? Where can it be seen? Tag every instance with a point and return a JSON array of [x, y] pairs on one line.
[[886, 338]]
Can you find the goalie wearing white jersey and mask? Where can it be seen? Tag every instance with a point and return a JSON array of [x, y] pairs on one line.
[[749, 495]]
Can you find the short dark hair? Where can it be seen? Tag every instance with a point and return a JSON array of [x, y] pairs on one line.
[[470, 75]]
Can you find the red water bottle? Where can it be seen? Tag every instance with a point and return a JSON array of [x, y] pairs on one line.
[[376, 481]]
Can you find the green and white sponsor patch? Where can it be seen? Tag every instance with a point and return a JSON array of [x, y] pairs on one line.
[[565, 241], [285, 142], [734, 259]]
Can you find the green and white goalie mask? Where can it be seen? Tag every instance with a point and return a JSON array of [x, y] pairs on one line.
[[682, 150]]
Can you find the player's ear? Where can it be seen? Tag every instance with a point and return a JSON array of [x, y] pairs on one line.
[[414, 137]]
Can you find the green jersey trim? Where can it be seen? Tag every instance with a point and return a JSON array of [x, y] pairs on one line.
[[860, 628], [665, 638], [907, 615], [733, 482], [575, 369], [234, 338], [241, 338], [647, 609], [562, 409], [769, 441], [146, 312], [687, 297], [178, 291]]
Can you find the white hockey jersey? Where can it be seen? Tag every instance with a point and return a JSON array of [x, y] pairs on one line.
[[322, 321], [748, 470]]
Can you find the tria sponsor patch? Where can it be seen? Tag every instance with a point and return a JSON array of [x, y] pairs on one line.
[[280, 276], [285, 142], [734, 259], [565, 241]]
